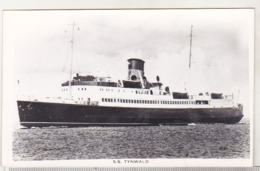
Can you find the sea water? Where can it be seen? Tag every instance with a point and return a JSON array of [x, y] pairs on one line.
[[190, 141]]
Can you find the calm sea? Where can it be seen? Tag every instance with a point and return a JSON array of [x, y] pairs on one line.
[[191, 141]]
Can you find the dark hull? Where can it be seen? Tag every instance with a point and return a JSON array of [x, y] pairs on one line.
[[55, 114]]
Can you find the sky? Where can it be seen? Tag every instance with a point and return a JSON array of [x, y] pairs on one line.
[[105, 39]]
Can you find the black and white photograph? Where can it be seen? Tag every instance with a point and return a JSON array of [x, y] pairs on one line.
[[128, 87]]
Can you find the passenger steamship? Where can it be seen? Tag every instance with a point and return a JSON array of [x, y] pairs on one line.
[[135, 101], [89, 100]]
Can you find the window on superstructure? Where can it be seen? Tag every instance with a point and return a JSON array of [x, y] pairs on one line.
[[78, 88], [102, 99], [114, 100], [81, 88], [85, 88], [134, 101]]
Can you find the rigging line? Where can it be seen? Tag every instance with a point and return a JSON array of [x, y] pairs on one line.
[[190, 57], [181, 75], [206, 85], [76, 62], [190, 45], [60, 56], [71, 59], [66, 59]]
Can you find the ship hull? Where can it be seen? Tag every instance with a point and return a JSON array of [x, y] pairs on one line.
[[60, 114]]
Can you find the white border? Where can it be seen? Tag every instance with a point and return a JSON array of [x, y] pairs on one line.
[[162, 4]]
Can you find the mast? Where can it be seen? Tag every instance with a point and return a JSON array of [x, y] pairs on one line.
[[71, 58], [190, 55]]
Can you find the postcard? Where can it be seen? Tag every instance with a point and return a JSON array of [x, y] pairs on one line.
[[124, 88]]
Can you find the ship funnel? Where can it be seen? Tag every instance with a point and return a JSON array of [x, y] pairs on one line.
[[135, 69]]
